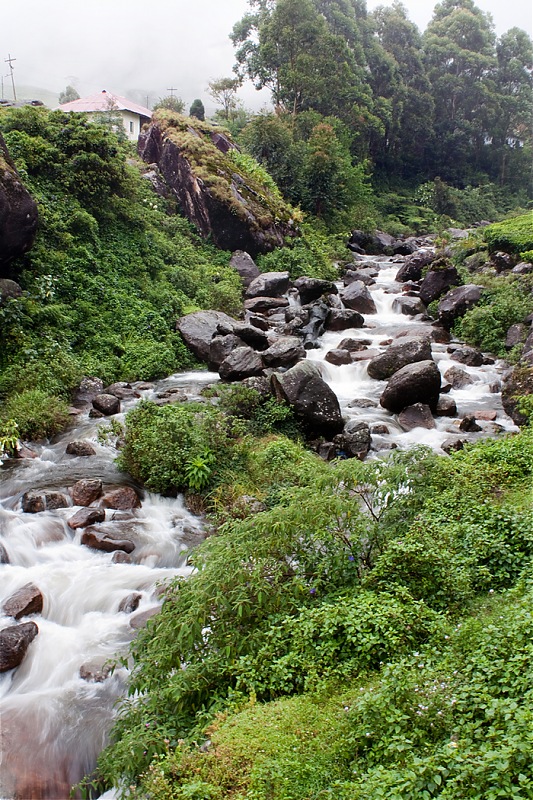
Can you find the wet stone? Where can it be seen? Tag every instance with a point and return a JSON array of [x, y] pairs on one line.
[[106, 404], [86, 516], [469, 425], [95, 672], [86, 491], [25, 601], [99, 540], [80, 448], [130, 603], [121, 499], [14, 642]]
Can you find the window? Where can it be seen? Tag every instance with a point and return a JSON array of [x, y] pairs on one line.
[[131, 127]]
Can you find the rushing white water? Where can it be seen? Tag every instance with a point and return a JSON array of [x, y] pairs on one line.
[[54, 722]]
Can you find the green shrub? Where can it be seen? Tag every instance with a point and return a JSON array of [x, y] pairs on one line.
[[512, 235], [37, 414]]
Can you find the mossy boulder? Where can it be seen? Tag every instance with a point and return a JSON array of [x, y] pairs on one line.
[[225, 194]]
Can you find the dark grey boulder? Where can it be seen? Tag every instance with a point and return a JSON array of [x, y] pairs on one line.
[[317, 317], [80, 448], [311, 289], [437, 282], [106, 404], [244, 264], [87, 391], [343, 319], [99, 540], [311, 398], [446, 407], [243, 362], [221, 347], [130, 603], [416, 416], [516, 334], [252, 336], [396, 356], [366, 276], [25, 601], [410, 306], [469, 425], [411, 269], [415, 383], [14, 643], [338, 357], [457, 302], [198, 328], [355, 439], [9, 290], [264, 305], [357, 298], [285, 352], [268, 284], [458, 378], [470, 356], [122, 390]]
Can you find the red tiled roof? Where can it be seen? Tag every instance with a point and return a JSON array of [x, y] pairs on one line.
[[101, 102]]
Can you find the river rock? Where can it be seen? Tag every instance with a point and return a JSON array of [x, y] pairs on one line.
[[120, 557], [338, 357], [25, 601], [410, 306], [4, 556], [258, 322], [453, 444], [251, 336], [469, 425], [95, 671], [80, 448], [99, 540], [415, 383], [457, 302], [86, 516], [264, 305], [86, 491], [87, 390], [516, 334], [446, 407], [469, 356], [9, 290], [106, 404], [365, 276], [411, 269], [396, 356], [33, 502], [285, 352], [244, 264], [121, 499], [437, 282], [458, 378], [303, 388], [268, 284], [374, 244], [198, 328], [343, 319], [140, 619], [14, 643], [357, 298], [122, 390], [488, 415], [317, 317], [311, 289], [243, 362], [355, 439], [404, 247], [416, 416], [221, 348], [354, 345], [130, 603], [517, 383]]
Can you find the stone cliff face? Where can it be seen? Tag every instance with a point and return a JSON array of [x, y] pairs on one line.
[[18, 214], [214, 188]]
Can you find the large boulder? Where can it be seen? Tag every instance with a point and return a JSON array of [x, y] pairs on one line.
[[86, 516], [410, 306], [396, 356], [198, 328], [269, 284], [311, 289], [285, 352], [99, 540], [517, 383], [244, 264], [470, 356], [121, 499], [437, 282], [243, 362], [357, 298], [355, 440], [342, 319], [106, 404], [221, 347], [457, 302], [25, 601], [14, 643], [303, 388], [224, 200], [264, 305], [417, 416], [86, 491], [375, 243], [411, 269], [18, 214], [415, 383]]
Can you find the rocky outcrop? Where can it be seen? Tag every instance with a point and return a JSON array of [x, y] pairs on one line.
[[18, 214], [415, 383], [14, 643], [312, 400], [225, 202]]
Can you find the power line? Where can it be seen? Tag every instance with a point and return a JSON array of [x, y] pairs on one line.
[[9, 61]]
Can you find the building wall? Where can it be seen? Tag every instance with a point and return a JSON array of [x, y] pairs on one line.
[[131, 121]]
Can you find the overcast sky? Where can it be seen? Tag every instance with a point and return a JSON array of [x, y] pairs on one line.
[[126, 45]]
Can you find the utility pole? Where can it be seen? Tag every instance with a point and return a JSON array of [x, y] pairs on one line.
[[9, 61], [172, 90]]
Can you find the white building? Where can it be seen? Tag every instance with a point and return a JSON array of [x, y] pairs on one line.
[[133, 115]]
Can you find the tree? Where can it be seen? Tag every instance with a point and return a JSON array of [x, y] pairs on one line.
[[171, 103], [224, 92], [68, 95], [197, 109]]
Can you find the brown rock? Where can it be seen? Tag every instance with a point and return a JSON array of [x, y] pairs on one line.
[[469, 425], [95, 672], [486, 416], [416, 416], [140, 619], [339, 357], [121, 499], [86, 516], [86, 491], [33, 502], [458, 378], [25, 601], [106, 404], [446, 407], [14, 643], [130, 603], [120, 557], [99, 540]]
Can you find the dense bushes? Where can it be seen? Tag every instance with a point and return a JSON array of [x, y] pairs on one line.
[[513, 235]]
